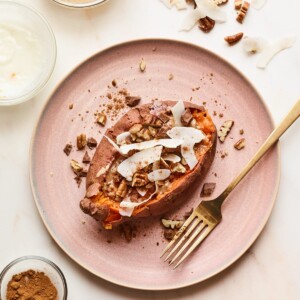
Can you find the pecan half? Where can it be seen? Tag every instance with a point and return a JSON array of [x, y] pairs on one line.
[[140, 179], [81, 141], [132, 101], [206, 24], [224, 130], [243, 11], [233, 39], [240, 144]]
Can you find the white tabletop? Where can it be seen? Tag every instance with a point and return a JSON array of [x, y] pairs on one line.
[[270, 268]]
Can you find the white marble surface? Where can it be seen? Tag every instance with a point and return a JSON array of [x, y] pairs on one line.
[[270, 269]]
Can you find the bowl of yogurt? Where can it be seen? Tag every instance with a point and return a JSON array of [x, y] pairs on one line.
[[27, 52]]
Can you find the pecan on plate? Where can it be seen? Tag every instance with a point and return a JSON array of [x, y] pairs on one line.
[[240, 144]]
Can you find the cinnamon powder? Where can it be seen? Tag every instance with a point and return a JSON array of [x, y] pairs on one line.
[[31, 285]]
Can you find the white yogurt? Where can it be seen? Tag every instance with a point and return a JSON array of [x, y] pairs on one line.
[[21, 60]]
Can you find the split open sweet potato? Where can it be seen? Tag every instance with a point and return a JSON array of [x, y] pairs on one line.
[[147, 159]]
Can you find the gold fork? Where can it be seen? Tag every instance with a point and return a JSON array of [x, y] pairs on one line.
[[207, 215]]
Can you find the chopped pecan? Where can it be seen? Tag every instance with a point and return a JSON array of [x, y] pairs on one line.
[[68, 149], [233, 39], [171, 223], [135, 128], [164, 117], [81, 141], [207, 189], [86, 158], [114, 83], [140, 179], [238, 4], [144, 134], [243, 11], [91, 143], [76, 167], [152, 130], [241, 131], [240, 144], [224, 130], [142, 65], [169, 234], [132, 101], [178, 168], [122, 189], [206, 24], [162, 132], [186, 117], [101, 119]]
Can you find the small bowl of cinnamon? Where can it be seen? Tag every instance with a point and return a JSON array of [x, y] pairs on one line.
[[29, 277]]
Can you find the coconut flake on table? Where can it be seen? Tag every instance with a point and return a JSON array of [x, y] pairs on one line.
[[190, 137], [171, 157], [177, 110], [121, 138], [273, 48], [127, 207], [160, 174], [168, 143], [139, 161], [258, 4], [191, 19], [253, 44], [180, 4]]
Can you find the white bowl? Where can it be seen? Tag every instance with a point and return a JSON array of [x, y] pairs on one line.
[[36, 263], [80, 3], [19, 14]]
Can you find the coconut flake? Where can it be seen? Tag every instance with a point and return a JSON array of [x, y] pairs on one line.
[[103, 170], [127, 207], [190, 137], [168, 143], [160, 174], [139, 161], [177, 110], [254, 44], [114, 144], [258, 4], [270, 51], [121, 138], [209, 9], [142, 191], [180, 4], [171, 157], [191, 19]]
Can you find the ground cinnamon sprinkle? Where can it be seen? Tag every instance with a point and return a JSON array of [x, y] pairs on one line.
[[31, 285]]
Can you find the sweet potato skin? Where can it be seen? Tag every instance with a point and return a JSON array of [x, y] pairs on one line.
[[105, 153]]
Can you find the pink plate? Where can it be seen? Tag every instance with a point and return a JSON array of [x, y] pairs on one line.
[[198, 76]]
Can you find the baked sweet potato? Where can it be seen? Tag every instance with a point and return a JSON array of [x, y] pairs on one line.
[[147, 159]]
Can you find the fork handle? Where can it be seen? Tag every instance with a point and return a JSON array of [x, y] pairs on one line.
[[289, 119]]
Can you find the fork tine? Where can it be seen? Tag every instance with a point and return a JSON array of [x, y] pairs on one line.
[[204, 234], [179, 233], [184, 237], [188, 242]]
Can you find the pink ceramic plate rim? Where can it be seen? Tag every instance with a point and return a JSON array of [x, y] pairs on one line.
[[176, 285]]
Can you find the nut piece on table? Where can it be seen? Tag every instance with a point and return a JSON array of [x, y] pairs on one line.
[[132, 101], [81, 141], [142, 65], [101, 119], [76, 167], [171, 223], [233, 39], [207, 189], [91, 143], [86, 158], [224, 130], [240, 144], [169, 234], [140, 179], [242, 13], [220, 2], [206, 24], [122, 189], [68, 149], [238, 4]]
